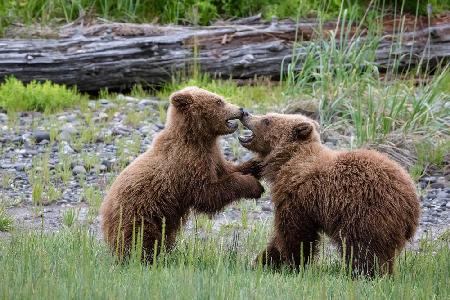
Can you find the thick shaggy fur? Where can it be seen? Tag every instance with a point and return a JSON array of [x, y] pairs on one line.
[[184, 169], [362, 200]]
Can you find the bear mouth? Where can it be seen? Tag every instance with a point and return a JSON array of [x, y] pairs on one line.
[[232, 124], [247, 136]]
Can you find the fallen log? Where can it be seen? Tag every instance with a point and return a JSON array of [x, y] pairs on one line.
[[117, 56]]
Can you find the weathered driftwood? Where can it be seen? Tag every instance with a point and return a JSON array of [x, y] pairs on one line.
[[119, 55]]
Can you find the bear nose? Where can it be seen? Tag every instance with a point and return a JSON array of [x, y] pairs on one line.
[[244, 113]]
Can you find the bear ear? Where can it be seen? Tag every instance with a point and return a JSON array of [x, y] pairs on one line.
[[302, 131], [181, 100]]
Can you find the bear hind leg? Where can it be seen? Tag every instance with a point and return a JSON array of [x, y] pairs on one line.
[[363, 260]]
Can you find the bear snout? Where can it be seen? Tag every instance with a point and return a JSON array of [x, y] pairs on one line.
[[244, 113]]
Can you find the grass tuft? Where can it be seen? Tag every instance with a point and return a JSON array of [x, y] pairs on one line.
[[6, 221], [43, 97]]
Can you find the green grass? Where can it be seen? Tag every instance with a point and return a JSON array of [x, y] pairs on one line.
[[71, 264], [262, 96], [343, 76], [194, 11], [429, 153], [44, 97], [6, 221]]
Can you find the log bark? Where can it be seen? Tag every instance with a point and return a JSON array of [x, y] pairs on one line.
[[117, 56]]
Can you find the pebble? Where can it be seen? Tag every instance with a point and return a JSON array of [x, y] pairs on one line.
[[266, 207], [442, 195], [20, 167], [67, 131], [146, 129], [79, 170], [102, 116], [40, 135], [18, 140], [108, 164], [437, 185], [160, 126], [66, 149], [145, 102], [3, 117]]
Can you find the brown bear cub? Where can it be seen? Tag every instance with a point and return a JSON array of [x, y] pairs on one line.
[[184, 169], [362, 200]]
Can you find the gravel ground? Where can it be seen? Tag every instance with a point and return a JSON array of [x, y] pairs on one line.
[[81, 152]]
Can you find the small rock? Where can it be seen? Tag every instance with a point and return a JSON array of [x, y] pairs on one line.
[[79, 170], [4, 140], [40, 135], [72, 118], [247, 156], [333, 140], [129, 98], [147, 102], [3, 117], [19, 167], [32, 152], [437, 185], [329, 144], [429, 179], [266, 207], [6, 166], [146, 129], [67, 149], [160, 126], [102, 116], [442, 195], [309, 108], [67, 131], [18, 140], [120, 131], [144, 103], [108, 164], [104, 102]]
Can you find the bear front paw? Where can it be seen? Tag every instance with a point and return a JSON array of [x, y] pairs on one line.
[[252, 167], [256, 189]]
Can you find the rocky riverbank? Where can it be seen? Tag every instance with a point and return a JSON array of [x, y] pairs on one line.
[[55, 169]]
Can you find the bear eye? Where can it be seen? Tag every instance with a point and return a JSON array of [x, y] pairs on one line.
[[266, 122]]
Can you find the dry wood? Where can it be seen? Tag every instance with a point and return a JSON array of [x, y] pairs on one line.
[[118, 55]]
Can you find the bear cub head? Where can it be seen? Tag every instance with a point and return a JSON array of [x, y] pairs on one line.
[[203, 113], [271, 132]]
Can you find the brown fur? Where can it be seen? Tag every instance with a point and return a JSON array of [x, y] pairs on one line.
[[362, 200], [183, 169]]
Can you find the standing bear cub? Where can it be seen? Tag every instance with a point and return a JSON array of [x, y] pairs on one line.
[[363, 201], [183, 169]]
